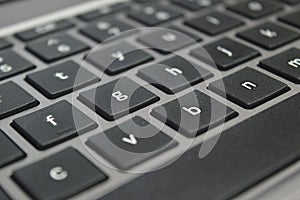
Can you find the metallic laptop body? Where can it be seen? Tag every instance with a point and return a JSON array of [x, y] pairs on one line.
[[18, 16]]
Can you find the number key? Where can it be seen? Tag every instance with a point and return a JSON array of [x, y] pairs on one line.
[[44, 29], [105, 29], [155, 15], [55, 48], [103, 11], [195, 5], [214, 23]]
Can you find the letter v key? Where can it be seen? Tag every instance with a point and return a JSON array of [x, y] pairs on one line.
[[131, 140]]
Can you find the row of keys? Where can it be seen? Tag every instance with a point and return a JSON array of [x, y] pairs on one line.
[[188, 107]]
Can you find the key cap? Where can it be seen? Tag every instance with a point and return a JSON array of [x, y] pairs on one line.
[[143, 1], [59, 122], [56, 48], [255, 9], [105, 29], [103, 11], [187, 33], [174, 74], [117, 98], [291, 2], [285, 64], [225, 53], [44, 30], [214, 23], [154, 15], [193, 114], [166, 40], [249, 88], [269, 35], [4, 44], [118, 58], [3, 195], [243, 156], [9, 151], [195, 5], [292, 19], [61, 79], [59, 176], [13, 99], [12, 64], [131, 143]]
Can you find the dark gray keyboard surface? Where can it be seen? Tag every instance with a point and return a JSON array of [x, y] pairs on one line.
[[216, 65]]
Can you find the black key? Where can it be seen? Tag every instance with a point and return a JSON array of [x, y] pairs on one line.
[[174, 74], [166, 40], [225, 53], [269, 36], [243, 156], [131, 143], [285, 64], [3, 195], [59, 176], [185, 32], [44, 29], [118, 58], [56, 48], [193, 114], [255, 9], [9, 151], [13, 99], [61, 79], [118, 98], [103, 11], [155, 15], [4, 44], [291, 2], [195, 5], [292, 19], [12, 64], [249, 88], [105, 29], [59, 122], [214, 23]]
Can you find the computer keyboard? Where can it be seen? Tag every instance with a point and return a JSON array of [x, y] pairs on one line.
[[58, 92]]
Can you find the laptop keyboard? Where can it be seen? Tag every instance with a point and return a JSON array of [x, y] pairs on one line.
[[113, 84]]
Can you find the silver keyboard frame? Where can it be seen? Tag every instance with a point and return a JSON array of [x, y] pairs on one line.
[[283, 185]]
